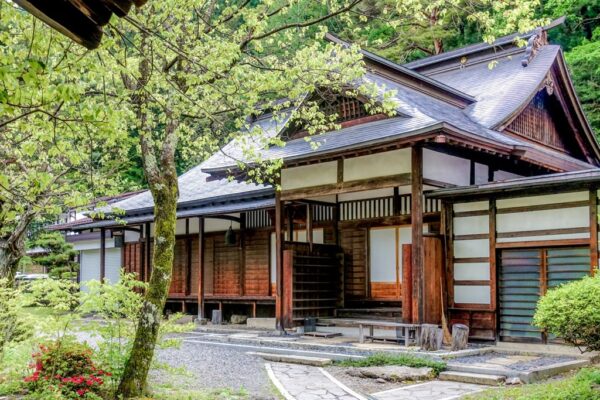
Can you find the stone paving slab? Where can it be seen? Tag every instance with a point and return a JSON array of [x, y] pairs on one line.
[[435, 390], [304, 382]]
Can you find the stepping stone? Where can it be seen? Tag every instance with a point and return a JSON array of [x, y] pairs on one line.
[[466, 377], [285, 358]]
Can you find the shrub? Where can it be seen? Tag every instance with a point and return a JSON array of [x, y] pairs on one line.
[[572, 312], [406, 360], [65, 368], [14, 327]]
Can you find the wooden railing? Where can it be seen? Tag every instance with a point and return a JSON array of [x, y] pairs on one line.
[[383, 207]]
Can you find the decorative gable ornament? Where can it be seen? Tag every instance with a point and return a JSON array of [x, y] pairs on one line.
[[535, 42], [549, 85]]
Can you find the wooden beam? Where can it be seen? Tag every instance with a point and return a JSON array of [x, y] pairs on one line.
[[345, 187], [417, 230], [279, 261], [102, 254], [309, 225], [593, 229], [201, 268], [543, 243]]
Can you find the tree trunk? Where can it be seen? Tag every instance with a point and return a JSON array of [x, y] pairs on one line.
[[431, 337], [11, 252], [165, 195], [460, 337]]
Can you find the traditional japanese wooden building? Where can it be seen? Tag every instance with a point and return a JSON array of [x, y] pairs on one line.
[[478, 195]]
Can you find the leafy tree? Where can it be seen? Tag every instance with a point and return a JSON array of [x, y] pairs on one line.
[[59, 256], [58, 127]]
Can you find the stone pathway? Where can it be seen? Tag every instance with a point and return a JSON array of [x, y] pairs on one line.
[[302, 382], [434, 390]]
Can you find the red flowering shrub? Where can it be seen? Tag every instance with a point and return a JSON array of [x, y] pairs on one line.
[[66, 368]]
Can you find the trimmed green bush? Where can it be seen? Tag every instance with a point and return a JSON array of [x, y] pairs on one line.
[[572, 312], [407, 360]]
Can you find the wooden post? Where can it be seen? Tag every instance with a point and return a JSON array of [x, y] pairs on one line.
[[201, 268], [290, 222], [148, 271], [278, 261], [102, 254], [593, 229], [309, 225], [288, 286], [417, 230], [188, 266], [141, 275], [407, 292], [493, 277], [242, 253]]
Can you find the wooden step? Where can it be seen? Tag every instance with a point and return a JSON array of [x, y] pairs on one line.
[[467, 377]]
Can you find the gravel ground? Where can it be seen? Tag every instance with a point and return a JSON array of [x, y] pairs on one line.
[[214, 367], [542, 361]]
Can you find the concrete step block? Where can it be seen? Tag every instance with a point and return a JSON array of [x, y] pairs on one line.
[[286, 358], [467, 377]]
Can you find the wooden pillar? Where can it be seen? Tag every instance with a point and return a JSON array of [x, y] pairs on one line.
[[279, 261], [141, 276], [309, 225], [407, 292], [593, 229], [448, 231], [188, 267], [288, 285], [242, 257], [290, 222], [417, 230], [201, 268], [102, 254], [493, 277], [148, 271]]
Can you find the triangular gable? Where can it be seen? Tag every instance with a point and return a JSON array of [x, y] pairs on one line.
[[553, 118]]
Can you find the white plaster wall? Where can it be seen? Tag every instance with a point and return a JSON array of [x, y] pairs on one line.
[[309, 175], [472, 294], [446, 168], [375, 165], [382, 254], [471, 248], [481, 173], [93, 244], [504, 175], [471, 225], [479, 271], [543, 219], [472, 206], [131, 236], [90, 265], [544, 199]]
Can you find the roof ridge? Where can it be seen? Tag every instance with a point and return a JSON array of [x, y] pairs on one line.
[[481, 46]]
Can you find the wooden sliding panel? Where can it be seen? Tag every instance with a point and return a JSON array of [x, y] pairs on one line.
[[226, 266], [354, 244], [384, 263], [256, 282]]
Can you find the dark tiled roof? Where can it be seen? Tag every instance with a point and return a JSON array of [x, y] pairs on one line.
[[563, 181], [206, 210]]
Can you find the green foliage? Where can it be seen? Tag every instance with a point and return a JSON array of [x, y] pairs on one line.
[[583, 386], [59, 259], [14, 326], [572, 312], [407, 360], [65, 368], [584, 62]]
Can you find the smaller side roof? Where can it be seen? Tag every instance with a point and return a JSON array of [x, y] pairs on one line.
[[552, 182]]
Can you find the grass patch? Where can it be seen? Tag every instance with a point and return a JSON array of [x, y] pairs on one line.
[[585, 385], [407, 360], [185, 394]]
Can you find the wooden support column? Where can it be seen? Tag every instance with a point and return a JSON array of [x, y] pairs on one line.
[[188, 267], [141, 275], [407, 292], [148, 271], [417, 231], [279, 261], [102, 254], [288, 287], [593, 229], [493, 277], [309, 225], [201, 267], [242, 257], [290, 222], [448, 231]]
